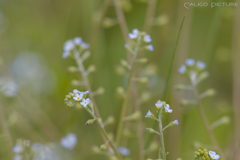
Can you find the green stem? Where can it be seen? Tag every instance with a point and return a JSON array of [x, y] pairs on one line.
[[206, 123], [91, 96], [161, 138], [127, 97], [168, 80]]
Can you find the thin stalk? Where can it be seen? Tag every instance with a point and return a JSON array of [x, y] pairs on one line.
[[206, 124], [149, 15], [95, 108], [168, 80], [161, 138], [5, 130], [126, 99]]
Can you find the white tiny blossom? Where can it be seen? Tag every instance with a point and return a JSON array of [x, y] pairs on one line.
[[75, 91], [65, 54], [190, 62], [213, 155], [167, 108], [182, 69], [85, 102], [78, 97], [86, 92], [176, 122], [69, 141], [158, 104]]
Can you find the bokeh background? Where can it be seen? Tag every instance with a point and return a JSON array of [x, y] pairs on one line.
[[32, 34]]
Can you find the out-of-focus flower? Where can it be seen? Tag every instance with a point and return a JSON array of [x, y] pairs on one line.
[[150, 47], [147, 38], [18, 148], [182, 69], [17, 157], [149, 113], [134, 34], [124, 151], [190, 62], [85, 102], [44, 152], [8, 87], [77, 40], [201, 65], [69, 46], [159, 104], [176, 122], [85, 45], [69, 141]]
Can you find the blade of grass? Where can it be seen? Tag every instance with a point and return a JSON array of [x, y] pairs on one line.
[[167, 81]]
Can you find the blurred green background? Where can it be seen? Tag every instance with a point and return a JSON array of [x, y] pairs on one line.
[[32, 35]]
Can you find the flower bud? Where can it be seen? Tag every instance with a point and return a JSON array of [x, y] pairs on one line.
[[103, 147], [109, 22], [210, 92], [100, 91], [150, 130], [225, 119], [76, 82], [204, 75], [85, 55], [124, 62], [91, 68], [72, 69], [143, 60], [120, 90], [90, 121], [135, 116], [143, 80]]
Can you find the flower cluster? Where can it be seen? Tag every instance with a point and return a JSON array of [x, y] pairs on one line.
[[21, 149], [203, 153], [77, 97], [145, 38], [76, 44], [161, 108]]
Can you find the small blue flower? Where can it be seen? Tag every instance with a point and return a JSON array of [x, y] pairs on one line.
[[158, 104], [85, 102], [78, 97], [147, 38], [86, 92], [69, 141], [85, 45], [65, 54], [213, 155], [190, 62], [148, 114], [201, 65], [150, 47], [134, 34], [176, 122], [77, 40], [17, 157], [167, 108], [69, 46], [75, 91], [124, 151], [182, 69], [18, 148]]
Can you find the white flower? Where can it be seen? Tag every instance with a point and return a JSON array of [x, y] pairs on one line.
[[182, 69], [77, 40], [190, 62], [167, 108], [17, 157], [18, 148], [213, 155], [150, 47], [8, 87], [68, 46], [148, 114], [124, 151], [85, 102], [78, 97], [201, 65], [147, 38], [69, 141], [176, 122], [158, 104], [134, 34]]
